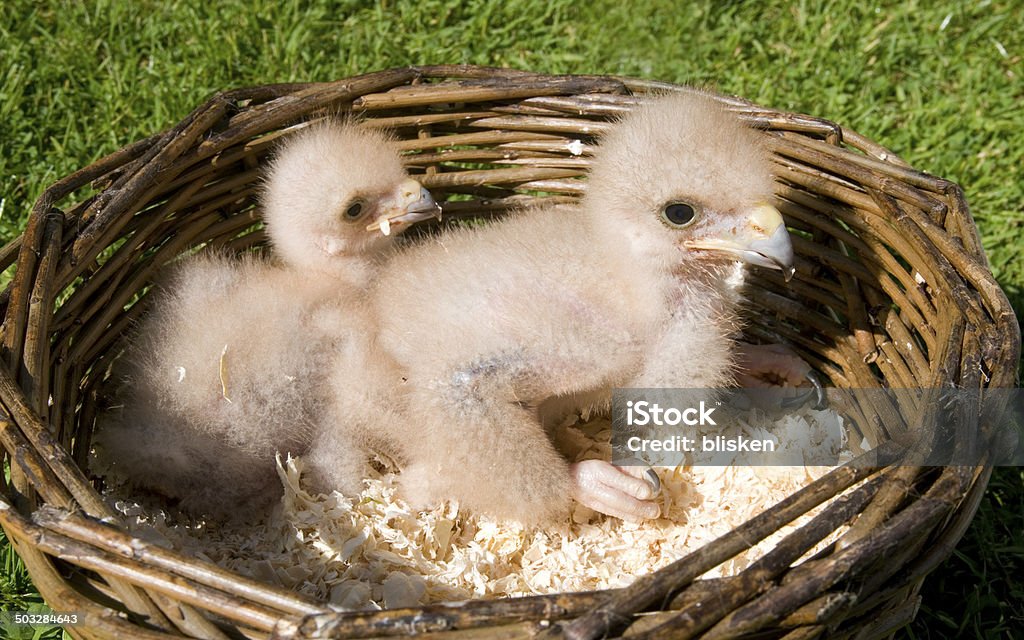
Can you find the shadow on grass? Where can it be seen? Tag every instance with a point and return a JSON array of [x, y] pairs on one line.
[[979, 591]]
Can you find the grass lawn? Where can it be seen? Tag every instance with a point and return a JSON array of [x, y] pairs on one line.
[[940, 83]]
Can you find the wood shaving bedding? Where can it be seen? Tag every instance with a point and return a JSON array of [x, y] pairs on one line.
[[373, 551]]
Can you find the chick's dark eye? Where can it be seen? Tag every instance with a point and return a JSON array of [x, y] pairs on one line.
[[354, 210], [678, 214]]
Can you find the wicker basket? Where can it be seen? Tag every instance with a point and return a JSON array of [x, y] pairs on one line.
[[866, 227]]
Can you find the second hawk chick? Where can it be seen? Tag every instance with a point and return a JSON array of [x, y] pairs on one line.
[[228, 367]]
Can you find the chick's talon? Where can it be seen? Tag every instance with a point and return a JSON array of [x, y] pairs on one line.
[[619, 492], [817, 392], [641, 469]]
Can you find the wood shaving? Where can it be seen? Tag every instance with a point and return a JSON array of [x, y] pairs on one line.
[[372, 551], [223, 371]]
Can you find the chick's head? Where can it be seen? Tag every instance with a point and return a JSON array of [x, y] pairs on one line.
[[339, 190], [687, 183]]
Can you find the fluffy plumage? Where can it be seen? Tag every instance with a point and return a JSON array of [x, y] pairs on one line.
[[228, 368], [489, 324], [220, 376]]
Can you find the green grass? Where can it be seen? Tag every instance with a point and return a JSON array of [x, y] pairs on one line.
[[18, 594], [938, 82]]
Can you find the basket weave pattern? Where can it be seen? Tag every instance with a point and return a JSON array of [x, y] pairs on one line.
[[892, 289]]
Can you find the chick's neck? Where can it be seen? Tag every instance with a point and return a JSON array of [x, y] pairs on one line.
[[348, 270]]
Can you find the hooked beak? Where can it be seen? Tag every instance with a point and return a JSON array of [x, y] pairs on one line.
[[407, 204], [763, 242]]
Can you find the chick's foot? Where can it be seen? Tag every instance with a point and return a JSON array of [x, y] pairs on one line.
[[776, 365], [622, 492], [764, 365]]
